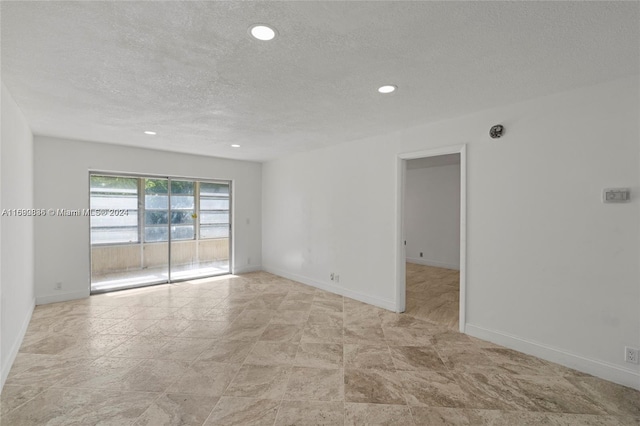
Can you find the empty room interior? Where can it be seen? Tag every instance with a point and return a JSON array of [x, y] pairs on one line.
[[332, 213]]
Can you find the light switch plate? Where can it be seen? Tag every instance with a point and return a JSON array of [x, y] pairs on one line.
[[616, 195]]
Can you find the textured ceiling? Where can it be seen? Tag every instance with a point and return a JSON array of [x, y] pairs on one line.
[[107, 71]]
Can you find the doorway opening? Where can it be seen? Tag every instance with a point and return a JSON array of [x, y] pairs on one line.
[[432, 227], [148, 230]]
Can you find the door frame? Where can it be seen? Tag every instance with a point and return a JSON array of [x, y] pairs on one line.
[[401, 284]]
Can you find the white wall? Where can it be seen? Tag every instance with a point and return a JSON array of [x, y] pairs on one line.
[[62, 182], [551, 270], [17, 250], [432, 215]]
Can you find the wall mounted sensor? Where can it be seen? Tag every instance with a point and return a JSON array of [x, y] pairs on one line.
[[496, 131]]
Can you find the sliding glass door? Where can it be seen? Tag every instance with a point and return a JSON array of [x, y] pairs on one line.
[[151, 230]]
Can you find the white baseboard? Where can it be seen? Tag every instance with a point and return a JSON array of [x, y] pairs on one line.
[[62, 297], [426, 262], [332, 288], [604, 370], [246, 269], [15, 347]]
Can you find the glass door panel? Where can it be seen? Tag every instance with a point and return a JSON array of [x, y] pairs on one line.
[[170, 229], [199, 229], [155, 231]]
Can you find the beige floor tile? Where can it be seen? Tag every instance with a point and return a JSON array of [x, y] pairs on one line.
[[373, 386], [205, 378], [175, 409], [319, 355], [269, 353], [259, 381], [81, 407], [293, 413], [234, 352], [400, 336], [434, 389], [320, 334], [14, 396], [243, 411], [364, 335], [367, 356], [315, 384], [377, 414], [184, 349], [139, 347], [282, 333], [615, 399], [416, 358]]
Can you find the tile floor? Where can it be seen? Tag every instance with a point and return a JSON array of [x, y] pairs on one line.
[[259, 349], [433, 294]]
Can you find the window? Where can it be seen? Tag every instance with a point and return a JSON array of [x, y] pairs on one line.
[[214, 210], [147, 202], [110, 192]]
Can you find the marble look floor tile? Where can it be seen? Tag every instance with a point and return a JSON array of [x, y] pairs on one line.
[[49, 345], [81, 407], [176, 409], [555, 394], [228, 315], [153, 375], [434, 389], [103, 373], [167, 327], [373, 386], [493, 391], [293, 413], [399, 336], [467, 358], [93, 346], [254, 317], [315, 384], [367, 356], [615, 399], [364, 335], [139, 347], [377, 414], [513, 362], [320, 334], [250, 332], [319, 355], [120, 312], [325, 318], [233, 352], [268, 353], [153, 313], [416, 358], [183, 349], [14, 396], [295, 296], [243, 411], [130, 327], [294, 305], [259, 381], [205, 329], [290, 317], [205, 378], [46, 372], [282, 333], [329, 305]]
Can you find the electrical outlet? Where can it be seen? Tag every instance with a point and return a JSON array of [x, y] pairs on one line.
[[58, 286], [631, 355], [420, 254], [332, 276]]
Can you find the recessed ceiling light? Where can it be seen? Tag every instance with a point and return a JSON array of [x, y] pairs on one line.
[[148, 132], [235, 146], [262, 32], [387, 89]]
